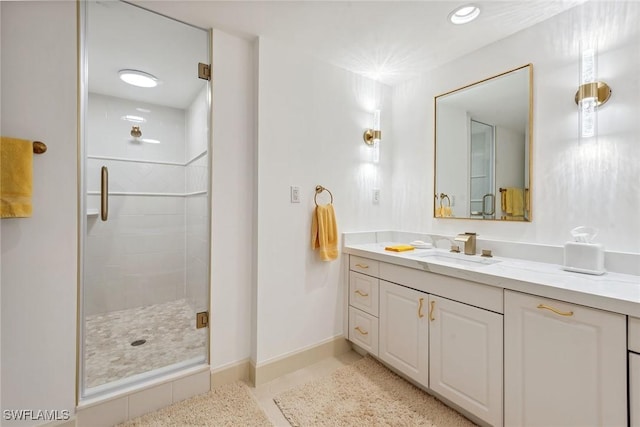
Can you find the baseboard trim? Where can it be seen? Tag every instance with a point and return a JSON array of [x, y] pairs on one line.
[[71, 422], [297, 360], [238, 371]]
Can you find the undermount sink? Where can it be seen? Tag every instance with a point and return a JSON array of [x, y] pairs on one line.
[[460, 259]]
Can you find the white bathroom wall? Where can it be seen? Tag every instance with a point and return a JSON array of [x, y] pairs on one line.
[[510, 156], [574, 184], [232, 199], [39, 279], [1, 406], [137, 257], [311, 119], [196, 202], [454, 129]]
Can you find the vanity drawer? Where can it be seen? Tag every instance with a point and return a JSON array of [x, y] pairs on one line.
[[363, 265], [363, 292], [363, 330], [633, 329]]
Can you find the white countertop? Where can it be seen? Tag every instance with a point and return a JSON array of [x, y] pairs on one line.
[[611, 291]]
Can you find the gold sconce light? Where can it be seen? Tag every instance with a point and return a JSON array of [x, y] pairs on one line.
[[374, 135], [590, 95]]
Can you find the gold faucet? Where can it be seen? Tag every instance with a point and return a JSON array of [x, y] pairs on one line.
[[469, 240]]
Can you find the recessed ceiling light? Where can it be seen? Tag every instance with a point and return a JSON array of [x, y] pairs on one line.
[[138, 78], [464, 14]]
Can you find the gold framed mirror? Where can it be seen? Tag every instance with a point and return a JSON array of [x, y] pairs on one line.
[[483, 145]]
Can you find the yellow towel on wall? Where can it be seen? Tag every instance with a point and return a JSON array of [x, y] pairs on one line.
[[324, 232], [16, 176], [514, 201], [443, 212]]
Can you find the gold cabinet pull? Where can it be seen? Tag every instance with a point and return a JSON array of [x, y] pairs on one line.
[[357, 328], [555, 310], [420, 315], [432, 306], [362, 294], [362, 265]]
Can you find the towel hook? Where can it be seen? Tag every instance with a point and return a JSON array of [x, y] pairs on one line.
[[320, 189]]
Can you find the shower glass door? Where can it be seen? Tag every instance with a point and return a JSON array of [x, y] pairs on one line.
[[145, 248], [482, 148]]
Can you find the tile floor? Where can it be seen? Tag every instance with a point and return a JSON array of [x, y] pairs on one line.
[[169, 331]]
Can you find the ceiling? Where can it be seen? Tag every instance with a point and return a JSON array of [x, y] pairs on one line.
[[121, 36], [389, 41]]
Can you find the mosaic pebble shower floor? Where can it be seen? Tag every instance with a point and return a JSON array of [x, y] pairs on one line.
[[170, 334]]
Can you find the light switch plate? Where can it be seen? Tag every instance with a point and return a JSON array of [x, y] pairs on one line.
[[295, 194]]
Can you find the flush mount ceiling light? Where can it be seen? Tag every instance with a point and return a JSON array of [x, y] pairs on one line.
[[138, 78], [464, 14]]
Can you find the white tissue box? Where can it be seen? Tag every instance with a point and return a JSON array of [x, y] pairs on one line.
[[584, 257]]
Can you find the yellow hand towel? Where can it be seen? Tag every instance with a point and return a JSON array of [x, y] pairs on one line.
[[399, 248], [515, 201], [16, 176], [324, 232]]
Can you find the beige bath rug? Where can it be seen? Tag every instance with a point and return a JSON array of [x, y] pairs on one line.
[[364, 393], [229, 405]]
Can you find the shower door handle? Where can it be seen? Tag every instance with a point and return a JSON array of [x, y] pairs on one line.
[[493, 204], [104, 193]]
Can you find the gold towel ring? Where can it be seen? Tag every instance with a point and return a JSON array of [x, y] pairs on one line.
[[444, 196], [320, 189]]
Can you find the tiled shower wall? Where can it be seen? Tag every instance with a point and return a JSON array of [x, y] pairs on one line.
[[197, 206], [139, 256]]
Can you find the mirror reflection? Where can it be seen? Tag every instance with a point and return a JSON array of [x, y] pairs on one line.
[[482, 149]]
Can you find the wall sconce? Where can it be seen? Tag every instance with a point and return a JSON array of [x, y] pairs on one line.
[[591, 94], [373, 136]]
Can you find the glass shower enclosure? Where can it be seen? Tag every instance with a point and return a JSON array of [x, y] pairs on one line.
[[145, 204]]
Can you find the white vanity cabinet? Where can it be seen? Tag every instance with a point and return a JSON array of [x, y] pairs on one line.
[[634, 390], [633, 341], [404, 331], [363, 303], [466, 357], [565, 364], [428, 330]]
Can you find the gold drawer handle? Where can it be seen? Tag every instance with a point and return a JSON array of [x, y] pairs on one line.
[[362, 265], [555, 310], [432, 303], [357, 328], [362, 294], [420, 315]]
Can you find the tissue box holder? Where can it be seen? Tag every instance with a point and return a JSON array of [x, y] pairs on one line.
[[584, 258]]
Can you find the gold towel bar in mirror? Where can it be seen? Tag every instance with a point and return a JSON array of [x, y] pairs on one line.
[[320, 189]]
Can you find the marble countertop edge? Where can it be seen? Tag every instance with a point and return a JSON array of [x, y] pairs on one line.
[[614, 292]]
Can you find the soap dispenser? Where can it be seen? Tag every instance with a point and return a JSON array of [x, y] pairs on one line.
[[582, 255]]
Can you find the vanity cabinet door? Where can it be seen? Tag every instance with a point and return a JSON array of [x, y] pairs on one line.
[[634, 389], [404, 331], [565, 364], [465, 357]]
